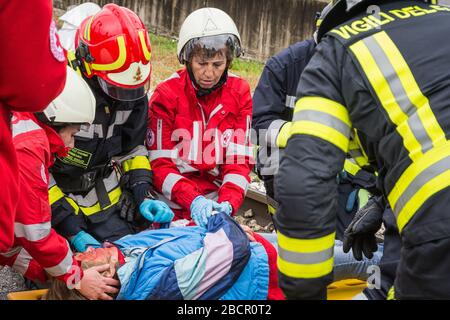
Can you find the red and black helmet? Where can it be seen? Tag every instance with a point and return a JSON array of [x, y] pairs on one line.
[[114, 46]]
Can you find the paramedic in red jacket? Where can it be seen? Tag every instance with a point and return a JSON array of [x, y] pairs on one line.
[[38, 138], [199, 123], [29, 47]]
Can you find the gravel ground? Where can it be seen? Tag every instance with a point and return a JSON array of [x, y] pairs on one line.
[[10, 281]]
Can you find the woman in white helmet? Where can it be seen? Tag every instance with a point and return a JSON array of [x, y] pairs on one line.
[[38, 250], [199, 123]]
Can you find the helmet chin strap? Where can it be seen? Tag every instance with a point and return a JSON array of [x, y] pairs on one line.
[[201, 92]]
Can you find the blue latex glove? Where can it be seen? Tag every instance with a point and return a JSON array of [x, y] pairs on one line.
[[156, 211], [352, 200], [82, 240], [201, 210], [223, 207]]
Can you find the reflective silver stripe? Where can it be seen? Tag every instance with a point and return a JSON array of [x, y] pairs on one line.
[[272, 132], [24, 126], [305, 258], [173, 76], [88, 131], [236, 179], [355, 153], [424, 177], [52, 181], [111, 183], [193, 152], [235, 149], [323, 118], [399, 93], [212, 196], [168, 184], [216, 109], [247, 130], [63, 267], [158, 154], [290, 101], [159, 134], [136, 152], [184, 167], [22, 262], [32, 232], [121, 117], [11, 252], [215, 172]]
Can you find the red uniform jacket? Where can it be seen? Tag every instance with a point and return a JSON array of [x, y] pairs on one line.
[[32, 74], [37, 246], [200, 146]]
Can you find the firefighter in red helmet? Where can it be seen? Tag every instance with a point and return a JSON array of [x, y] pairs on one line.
[[99, 186]]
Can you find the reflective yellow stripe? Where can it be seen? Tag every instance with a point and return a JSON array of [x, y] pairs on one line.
[[70, 58], [328, 106], [322, 118], [54, 194], [114, 197], [305, 258], [283, 135], [271, 209], [87, 31], [356, 151], [139, 162], [391, 294], [73, 204], [145, 49], [321, 131], [351, 167], [116, 64], [418, 183], [397, 90]]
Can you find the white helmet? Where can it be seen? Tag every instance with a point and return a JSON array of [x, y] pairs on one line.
[[76, 103], [210, 27]]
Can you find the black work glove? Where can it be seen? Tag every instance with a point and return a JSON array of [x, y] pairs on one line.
[[127, 206], [360, 234], [140, 192]]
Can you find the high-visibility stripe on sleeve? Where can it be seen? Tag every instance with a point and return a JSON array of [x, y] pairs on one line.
[[235, 149], [32, 232], [236, 179], [24, 126], [114, 197], [322, 118], [399, 93], [168, 184], [356, 151], [273, 131], [54, 194], [139, 162], [351, 167], [63, 267], [22, 261], [420, 181], [159, 154], [305, 258]]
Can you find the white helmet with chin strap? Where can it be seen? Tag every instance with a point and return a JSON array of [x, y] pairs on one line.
[[210, 28], [75, 105]]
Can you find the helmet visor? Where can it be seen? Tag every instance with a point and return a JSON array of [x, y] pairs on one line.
[[123, 93], [227, 44]]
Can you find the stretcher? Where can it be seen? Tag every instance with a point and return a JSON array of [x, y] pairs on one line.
[[341, 290]]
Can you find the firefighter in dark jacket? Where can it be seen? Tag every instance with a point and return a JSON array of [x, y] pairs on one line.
[[273, 105], [371, 73], [95, 191]]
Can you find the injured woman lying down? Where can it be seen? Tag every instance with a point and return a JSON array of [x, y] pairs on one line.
[[222, 261]]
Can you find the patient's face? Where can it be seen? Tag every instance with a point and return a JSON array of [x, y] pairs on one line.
[[98, 257]]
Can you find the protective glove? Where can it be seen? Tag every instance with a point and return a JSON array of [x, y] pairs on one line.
[[360, 234], [224, 207], [156, 211], [127, 205], [82, 240], [140, 192], [201, 210]]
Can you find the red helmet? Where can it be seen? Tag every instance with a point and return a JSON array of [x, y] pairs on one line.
[[114, 46]]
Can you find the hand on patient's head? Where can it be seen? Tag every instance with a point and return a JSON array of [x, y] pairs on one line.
[[249, 232]]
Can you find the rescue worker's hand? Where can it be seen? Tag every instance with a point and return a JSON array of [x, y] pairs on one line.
[[360, 234], [127, 206], [82, 240], [201, 210], [156, 211], [140, 192], [94, 286], [224, 207]]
